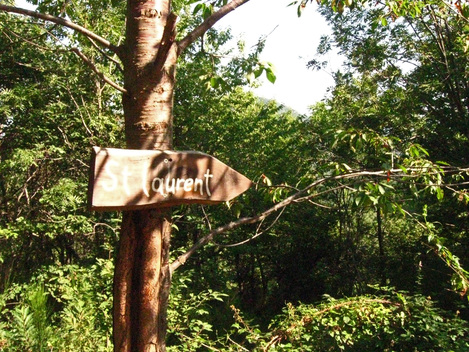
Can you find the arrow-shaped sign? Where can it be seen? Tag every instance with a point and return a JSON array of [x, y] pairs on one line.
[[127, 179]]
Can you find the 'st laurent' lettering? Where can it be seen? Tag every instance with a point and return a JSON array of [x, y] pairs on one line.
[[125, 175], [112, 176], [144, 181], [171, 185], [163, 186], [189, 184], [159, 189], [207, 177]]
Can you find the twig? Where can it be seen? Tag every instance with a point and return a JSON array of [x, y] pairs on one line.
[[117, 63], [25, 187], [79, 112], [67, 142], [95, 70], [237, 344], [208, 23], [63, 22], [206, 218], [299, 196], [25, 40], [272, 342], [257, 234], [320, 205]]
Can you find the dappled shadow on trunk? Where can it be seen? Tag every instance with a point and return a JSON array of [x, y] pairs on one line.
[[145, 184]]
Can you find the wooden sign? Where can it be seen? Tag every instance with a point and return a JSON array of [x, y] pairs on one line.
[[127, 179]]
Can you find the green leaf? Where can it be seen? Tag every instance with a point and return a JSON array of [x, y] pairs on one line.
[[381, 189], [270, 75], [214, 82], [197, 8], [439, 193]]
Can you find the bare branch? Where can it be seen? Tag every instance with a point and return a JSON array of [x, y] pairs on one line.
[[79, 112], [257, 234], [117, 63], [301, 195], [209, 23], [62, 22], [95, 70], [21, 38], [206, 218], [254, 219]]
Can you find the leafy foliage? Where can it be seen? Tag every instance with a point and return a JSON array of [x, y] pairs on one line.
[[400, 223], [191, 326], [392, 322], [64, 309]]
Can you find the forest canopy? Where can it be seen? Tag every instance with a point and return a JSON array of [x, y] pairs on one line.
[[354, 237]]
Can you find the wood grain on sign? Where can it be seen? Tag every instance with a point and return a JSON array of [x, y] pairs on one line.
[[127, 179]]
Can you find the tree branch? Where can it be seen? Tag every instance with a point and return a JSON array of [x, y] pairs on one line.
[[62, 22], [257, 234], [116, 62], [95, 70], [209, 23], [251, 220], [301, 195]]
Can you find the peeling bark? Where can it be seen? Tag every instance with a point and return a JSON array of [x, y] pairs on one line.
[[149, 74], [142, 281], [142, 276]]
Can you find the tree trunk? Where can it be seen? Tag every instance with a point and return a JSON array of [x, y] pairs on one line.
[[142, 281], [142, 276]]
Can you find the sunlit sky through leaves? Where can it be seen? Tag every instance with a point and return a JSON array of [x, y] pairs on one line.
[[291, 43]]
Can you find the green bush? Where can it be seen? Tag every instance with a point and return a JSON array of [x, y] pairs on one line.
[[392, 322], [64, 308]]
